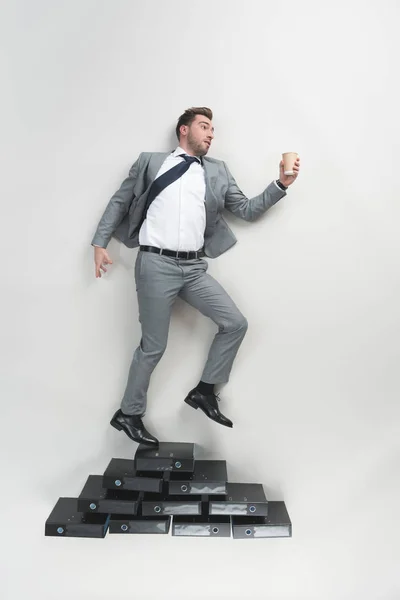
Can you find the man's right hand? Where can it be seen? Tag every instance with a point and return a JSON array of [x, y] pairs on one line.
[[101, 259]]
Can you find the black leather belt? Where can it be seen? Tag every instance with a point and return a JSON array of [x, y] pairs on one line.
[[173, 253]]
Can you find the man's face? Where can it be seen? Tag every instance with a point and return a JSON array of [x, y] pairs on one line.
[[200, 135]]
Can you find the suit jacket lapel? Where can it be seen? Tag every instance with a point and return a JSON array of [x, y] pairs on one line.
[[211, 175], [155, 162]]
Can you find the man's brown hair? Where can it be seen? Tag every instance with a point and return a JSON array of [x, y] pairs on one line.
[[190, 114]]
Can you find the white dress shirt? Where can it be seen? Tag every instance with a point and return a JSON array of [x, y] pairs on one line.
[[176, 219]]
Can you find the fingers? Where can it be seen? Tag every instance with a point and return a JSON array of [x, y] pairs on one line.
[[98, 268], [101, 259], [296, 163], [101, 267], [296, 166]]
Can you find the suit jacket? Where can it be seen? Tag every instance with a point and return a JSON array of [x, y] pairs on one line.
[[123, 215]]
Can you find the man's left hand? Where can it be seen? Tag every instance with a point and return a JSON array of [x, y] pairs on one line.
[[289, 179]]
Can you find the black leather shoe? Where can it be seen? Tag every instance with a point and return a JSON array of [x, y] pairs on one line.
[[133, 427], [208, 405]]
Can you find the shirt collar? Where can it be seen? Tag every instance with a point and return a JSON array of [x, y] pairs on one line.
[[180, 150]]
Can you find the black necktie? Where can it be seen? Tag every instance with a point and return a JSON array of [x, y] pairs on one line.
[[167, 178]]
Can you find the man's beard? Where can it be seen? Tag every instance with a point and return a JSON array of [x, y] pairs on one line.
[[196, 147]]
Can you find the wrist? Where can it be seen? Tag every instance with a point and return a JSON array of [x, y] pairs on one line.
[[281, 185]]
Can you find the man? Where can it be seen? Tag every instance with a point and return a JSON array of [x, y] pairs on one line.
[[170, 205]]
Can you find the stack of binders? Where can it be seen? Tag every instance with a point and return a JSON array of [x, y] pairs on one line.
[[165, 489]]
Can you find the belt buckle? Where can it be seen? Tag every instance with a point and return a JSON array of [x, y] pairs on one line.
[[161, 251]]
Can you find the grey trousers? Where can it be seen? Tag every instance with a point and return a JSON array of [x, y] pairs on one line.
[[159, 281]]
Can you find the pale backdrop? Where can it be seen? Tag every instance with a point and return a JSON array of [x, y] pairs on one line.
[[314, 393]]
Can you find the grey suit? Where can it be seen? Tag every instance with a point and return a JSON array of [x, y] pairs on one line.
[[160, 279]]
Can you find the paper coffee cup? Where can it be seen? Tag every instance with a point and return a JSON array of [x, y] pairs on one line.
[[289, 158]]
